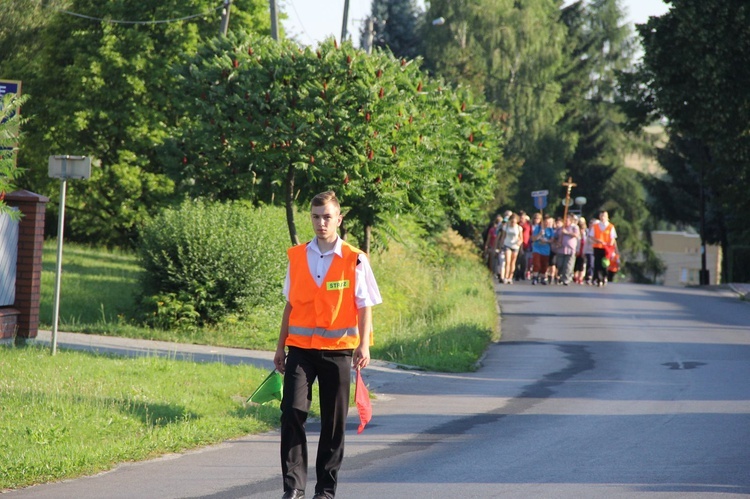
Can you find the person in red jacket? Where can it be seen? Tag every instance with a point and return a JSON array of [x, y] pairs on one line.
[[325, 332], [525, 255]]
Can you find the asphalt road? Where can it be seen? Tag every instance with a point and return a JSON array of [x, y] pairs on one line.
[[623, 391]]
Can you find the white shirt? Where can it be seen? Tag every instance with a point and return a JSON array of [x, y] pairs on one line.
[[512, 236], [366, 291]]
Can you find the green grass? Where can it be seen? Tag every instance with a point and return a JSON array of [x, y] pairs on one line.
[[77, 413], [98, 294], [439, 309], [437, 316], [97, 289]]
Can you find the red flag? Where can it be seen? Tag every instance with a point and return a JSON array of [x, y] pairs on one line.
[[362, 398]]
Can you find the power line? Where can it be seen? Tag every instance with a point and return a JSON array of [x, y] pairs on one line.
[[121, 21], [299, 19]]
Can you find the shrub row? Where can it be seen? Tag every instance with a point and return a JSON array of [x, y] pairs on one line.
[[205, 260]]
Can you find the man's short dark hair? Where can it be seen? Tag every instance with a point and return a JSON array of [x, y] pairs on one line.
[[324, 198]]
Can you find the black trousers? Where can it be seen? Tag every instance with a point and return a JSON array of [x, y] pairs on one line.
[[332, 368], [600, 273]]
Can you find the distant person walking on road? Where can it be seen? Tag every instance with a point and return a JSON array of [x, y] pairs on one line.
[[512, 238], [588, 252], [541, 236], [605, 240], [326, 327], [580, 265], [489, 244], [524, 256], [570, 236]]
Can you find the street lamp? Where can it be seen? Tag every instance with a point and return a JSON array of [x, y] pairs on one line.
[[580, 201], [64, 167]]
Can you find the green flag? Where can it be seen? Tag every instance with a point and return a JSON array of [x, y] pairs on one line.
[[270, 389]]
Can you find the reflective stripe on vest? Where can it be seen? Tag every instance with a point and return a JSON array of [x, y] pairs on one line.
[[325, 317], [323, 332]]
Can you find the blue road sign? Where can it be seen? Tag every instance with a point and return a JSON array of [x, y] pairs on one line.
[[540, 199], [9, 87]]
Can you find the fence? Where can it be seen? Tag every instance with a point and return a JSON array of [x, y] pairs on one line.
[[8, 259]]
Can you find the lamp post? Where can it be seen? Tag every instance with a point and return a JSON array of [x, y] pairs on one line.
[[580, 201]]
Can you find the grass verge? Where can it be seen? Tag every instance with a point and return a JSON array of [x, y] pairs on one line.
[[77, 414], [439, 309]]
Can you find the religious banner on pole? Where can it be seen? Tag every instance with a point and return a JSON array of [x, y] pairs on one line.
[[569, 184], [540, 200]]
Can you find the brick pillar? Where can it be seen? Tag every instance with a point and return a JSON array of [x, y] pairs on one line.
[[29, 265]]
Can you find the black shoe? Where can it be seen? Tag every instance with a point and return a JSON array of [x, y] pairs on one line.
[[294, 494], [322, 495]]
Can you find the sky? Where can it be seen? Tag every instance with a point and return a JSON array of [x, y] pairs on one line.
[[311, 21]]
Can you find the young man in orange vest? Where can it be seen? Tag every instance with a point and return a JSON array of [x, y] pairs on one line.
[[326, 328], [604, 239]]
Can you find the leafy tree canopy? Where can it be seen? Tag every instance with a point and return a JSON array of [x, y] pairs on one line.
[[99, 89], [696, 73], [396, 25], [267, 120]]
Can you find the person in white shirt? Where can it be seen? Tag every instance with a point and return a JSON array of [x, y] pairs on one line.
[[512, 239], [326, 328]]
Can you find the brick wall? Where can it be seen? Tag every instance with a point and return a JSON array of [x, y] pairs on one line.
[[29, 265]]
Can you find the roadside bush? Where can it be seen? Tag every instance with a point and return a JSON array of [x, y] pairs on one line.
[[203, 261]]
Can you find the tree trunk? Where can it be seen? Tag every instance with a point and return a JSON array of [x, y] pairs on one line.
[[368, 237], [289, 202]]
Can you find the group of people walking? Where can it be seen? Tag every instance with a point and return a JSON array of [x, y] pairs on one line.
[[546, 250]]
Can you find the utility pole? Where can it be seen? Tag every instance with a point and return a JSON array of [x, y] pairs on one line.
[[274, 20], [225, 18], [703, 277], [345, 21], [369, 35]]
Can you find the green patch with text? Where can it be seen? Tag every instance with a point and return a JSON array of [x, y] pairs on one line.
[[336, 285]]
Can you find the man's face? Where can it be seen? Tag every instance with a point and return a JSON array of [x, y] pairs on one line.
[[325, 220]]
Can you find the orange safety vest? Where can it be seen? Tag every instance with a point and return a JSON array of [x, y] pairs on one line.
[[325, 317], [603, 235]]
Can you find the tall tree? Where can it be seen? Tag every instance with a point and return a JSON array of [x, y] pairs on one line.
[[98, 85], [511, 52], [266, 120], [696, 73], [396, 25], [451, 49], [599, 48], [21, 22]]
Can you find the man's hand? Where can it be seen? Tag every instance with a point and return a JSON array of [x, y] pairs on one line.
[[279, 360], [361, 357]]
